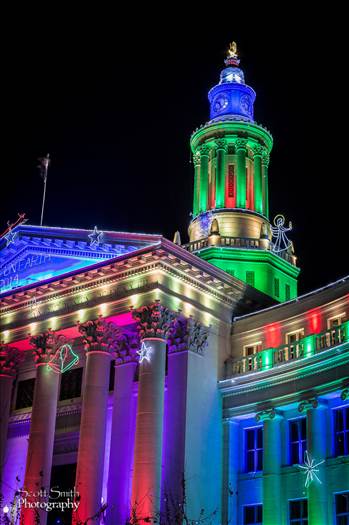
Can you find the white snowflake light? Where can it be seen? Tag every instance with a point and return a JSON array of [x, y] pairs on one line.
[[145, 352], [96, 237], [310, 469]]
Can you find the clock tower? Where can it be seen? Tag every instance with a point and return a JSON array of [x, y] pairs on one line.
[[230, 226]]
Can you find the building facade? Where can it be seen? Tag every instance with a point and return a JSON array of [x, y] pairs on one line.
[[150, 381]]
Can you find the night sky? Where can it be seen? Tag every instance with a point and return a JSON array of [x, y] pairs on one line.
[[116, 111]]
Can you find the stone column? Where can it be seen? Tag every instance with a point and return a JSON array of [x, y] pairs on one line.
[[240, 146], [317, 450], [120, 460], [257, 178], [203, 187], [42, 426], [221, 148], [98, 337], [231, 451], [185, 336], [154, 322], [265, 188], [197, 162], [9, 360], [271, 466]]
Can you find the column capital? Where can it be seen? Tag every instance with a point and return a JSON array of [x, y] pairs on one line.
[[197, 158], [205, 150], [265, 159], [308, 404], [154, 320], [221, 144], [258, 150], [99, 335], [126, 346], [10, 358], [268, 415], [188, 335], [45, 345], [345, 394], [241, 143]]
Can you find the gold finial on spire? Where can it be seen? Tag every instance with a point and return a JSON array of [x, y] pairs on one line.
[[233, 50]]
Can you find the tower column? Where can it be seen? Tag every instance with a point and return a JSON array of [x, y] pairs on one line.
[[221, 148], [271, 466], [98, 337], [265, 192], [120, 460], [9, 361], [42, 427], [203, 187], [154, 323], [240, 146], [197, 162], [317, 449], [258, 183]]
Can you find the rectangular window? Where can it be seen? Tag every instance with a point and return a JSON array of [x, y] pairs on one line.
[[250, 278], [341, 431], [112, 375], [254, 449], [294, 349], [71, 384], [25, 393], [250, 351], [277, 287], [231, 182], [297, 440], [253, 515], [342, 508], [299, 512], [287, 292]]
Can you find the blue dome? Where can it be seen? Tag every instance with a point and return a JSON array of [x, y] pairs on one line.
[[231, 98]]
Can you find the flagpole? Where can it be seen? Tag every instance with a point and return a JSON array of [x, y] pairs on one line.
[[44, 163]]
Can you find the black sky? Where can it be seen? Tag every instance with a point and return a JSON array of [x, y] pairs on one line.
[[115, 100]]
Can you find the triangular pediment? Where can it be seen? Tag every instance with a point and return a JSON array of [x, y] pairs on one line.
[[37, 254]]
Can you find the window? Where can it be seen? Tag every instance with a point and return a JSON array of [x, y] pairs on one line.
[[297, 440], [253, 515], [231, 182], [25, 393], [293, 349], [342, 509], [254, 449], [341, 431], [299, 512], [112, 375], [250, 278], [71, 384], [277, 287], [250, 351], [287, 292]]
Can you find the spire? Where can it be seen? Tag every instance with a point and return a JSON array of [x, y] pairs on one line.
[[177, 238], [232, 99]]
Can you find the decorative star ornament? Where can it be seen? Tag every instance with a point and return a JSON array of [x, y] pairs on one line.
[[310, 469], [10, 237], [145, 352], [96, 237]]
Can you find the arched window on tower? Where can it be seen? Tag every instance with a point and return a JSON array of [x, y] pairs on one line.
[[230, 187]]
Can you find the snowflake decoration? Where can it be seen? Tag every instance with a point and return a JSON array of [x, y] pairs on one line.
[[310, 469], [10, 237], [145, 352], [96, 237]]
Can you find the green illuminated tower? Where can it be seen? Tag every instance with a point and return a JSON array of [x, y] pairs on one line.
[[230, 226]]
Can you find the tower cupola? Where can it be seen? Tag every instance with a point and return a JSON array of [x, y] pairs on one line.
[[230, 224]]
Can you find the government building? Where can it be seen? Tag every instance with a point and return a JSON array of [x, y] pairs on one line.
[[150, 381]]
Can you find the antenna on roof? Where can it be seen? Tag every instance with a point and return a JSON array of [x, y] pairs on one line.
[[44, 163]]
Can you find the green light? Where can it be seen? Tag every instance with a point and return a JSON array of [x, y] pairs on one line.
[[267, 359], [309, 345]]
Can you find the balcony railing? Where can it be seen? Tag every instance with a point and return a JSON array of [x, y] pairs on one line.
[[272, 357], [239, 242]]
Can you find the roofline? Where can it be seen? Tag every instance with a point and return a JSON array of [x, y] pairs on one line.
[[294, 301]]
